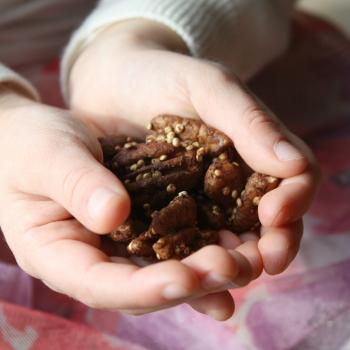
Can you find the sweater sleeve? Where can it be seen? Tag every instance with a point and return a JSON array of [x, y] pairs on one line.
[[12, 80], [243, 34]]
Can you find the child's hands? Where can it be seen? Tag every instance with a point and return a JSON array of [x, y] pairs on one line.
[[55, 194], [130, 72]]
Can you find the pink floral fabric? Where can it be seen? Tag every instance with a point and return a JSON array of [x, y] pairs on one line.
[[307, 307]]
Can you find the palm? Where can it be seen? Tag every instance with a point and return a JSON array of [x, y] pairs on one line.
[[72, 262]]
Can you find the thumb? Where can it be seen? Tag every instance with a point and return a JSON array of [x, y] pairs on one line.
[[259, 137], [89, 191]]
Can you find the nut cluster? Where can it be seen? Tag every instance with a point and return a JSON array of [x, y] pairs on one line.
[[186, 182]]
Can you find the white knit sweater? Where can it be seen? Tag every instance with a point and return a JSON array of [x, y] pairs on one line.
[[250, 33]]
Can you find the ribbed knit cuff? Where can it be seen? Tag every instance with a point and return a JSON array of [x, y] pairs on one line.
[[14, 81], [192, 20]]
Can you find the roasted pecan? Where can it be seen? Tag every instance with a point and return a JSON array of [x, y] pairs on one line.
[[245, 215], [178, 245], [210, 215], [179, 214], [136, 152], [141, 246], [185, 181], [223, 181], [192, 133], [128, 230], [155, 172], [172, 232]]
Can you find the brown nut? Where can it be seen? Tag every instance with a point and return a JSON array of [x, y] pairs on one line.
[[210, 215], [245, 217], [179, 214], [195, 131], [222, 178], [185, 181], [128, 231], [176, 246]]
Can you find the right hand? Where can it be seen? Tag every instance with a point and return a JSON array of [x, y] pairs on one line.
[[134, 71]]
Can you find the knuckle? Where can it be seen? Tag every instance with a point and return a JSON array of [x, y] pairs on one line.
[[256, 118], [72, 181]]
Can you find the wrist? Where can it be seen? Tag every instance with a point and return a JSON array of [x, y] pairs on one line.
[[141, 33]]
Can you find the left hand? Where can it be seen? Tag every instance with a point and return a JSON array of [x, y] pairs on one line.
[[130, 72]]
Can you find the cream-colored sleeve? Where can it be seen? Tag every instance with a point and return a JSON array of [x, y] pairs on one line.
[[244, 34], [12, 80]]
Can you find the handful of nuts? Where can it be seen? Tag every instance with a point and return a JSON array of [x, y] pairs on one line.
[[186, 182]]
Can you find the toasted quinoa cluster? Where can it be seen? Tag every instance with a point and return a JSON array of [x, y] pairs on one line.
[[186, 182]]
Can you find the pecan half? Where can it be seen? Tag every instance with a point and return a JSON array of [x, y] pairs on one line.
[[172, 232], [128, 231], [177, 245], [223, 180], [192, 132], [179, 214], [245, 215], [210, 215]]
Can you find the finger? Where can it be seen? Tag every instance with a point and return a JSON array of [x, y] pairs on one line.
[[263, 142], [89, 191], [219, 306], [279, 245], [249, 259], [250, 251], [229, 240], [290, 201], [86, 274], [249, 236], [245, 274], [214, 266], [145, 311]]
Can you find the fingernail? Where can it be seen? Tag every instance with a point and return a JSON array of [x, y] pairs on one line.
[[228, 286], [215, 314], [233, 285], [285, 151], [214, 281], [175, 291], [98, 202]]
